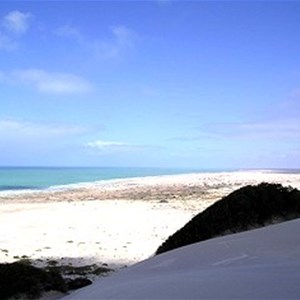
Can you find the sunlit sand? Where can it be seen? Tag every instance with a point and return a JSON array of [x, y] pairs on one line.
[[117, 222]]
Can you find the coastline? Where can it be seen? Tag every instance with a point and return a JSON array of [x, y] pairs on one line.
[[116, 222], [152, 187]]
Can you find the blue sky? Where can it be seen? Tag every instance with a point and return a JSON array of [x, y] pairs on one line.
[[157, 83]]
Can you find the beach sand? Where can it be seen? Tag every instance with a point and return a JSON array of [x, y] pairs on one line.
[[115, 222]]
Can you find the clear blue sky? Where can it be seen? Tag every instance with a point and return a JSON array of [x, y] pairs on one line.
[[157, 83]]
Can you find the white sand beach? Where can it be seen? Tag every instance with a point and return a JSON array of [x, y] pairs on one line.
[[116, 222]]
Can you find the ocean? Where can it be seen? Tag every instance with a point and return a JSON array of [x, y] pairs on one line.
[[13, 179], [39, 178]]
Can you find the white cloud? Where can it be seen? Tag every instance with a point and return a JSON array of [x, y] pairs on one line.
[[121, 39], [29, 142], [15, 129], [49, 82], [16, 22], [102, 145]]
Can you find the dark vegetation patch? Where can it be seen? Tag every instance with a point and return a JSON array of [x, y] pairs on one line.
[[244, 209], [19, 278], [22, 279], [77, 283], [67, 270]]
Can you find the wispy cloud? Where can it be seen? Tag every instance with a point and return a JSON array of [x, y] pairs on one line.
[[274, 129], [15, 129], [49, 82], [16, 22], [70, 32], [12, 25], [266, 130], [120, 40], [104, 145]]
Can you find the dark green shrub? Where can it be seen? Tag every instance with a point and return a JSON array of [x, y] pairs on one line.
[[20, 278], [247, 208], [77, 283]]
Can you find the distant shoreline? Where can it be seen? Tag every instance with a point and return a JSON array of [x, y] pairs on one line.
[[17, 180], [275, 170], [148, 187], [24, 179]]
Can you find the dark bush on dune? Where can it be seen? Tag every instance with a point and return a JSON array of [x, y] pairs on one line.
[[247, 208], [19, 279]]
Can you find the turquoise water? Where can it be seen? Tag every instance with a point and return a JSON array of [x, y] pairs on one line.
[[32, 178], [36, 178]]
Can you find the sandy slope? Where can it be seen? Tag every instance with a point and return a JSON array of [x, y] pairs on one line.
[[258, 264]]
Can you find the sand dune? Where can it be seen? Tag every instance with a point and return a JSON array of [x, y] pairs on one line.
[[257, 264]]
